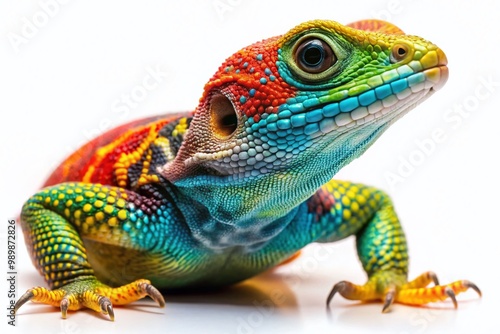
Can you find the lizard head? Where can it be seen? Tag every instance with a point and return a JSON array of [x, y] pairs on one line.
[[282, 116]]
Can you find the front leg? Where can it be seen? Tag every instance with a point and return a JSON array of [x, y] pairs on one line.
[[342, 209], [55, 223]]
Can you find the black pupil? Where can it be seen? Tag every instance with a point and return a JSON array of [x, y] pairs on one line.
[[401, 51], [229, 121], [313, 55]]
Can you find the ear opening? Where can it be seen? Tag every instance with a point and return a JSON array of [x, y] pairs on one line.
[[223, 117], [214, 123]]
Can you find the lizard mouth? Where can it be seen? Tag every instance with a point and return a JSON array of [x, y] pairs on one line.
[[438, 75], [376, 121], [382, 104]]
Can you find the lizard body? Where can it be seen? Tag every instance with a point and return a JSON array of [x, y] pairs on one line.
[[212, 197]]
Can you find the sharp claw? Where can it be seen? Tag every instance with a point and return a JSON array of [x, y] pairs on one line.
[[389, 299], [336, 288], [111, 313], [64, 307], [451, 294], [28, 295], [433, 277], [469, 284], [106, 307], [153, 293]]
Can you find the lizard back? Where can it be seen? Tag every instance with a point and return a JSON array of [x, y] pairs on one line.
[[118, 156]]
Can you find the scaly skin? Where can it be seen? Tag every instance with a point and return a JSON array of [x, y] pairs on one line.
[[213, 197]]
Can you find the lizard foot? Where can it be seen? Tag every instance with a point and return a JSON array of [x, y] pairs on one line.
[[91, 293], [390, 287]]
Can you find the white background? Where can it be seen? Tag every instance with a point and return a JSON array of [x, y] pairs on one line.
[[62, 84]]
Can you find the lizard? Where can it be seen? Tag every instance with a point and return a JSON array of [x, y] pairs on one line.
[[211, 197]]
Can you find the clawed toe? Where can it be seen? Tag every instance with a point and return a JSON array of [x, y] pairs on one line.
[[470, 285], [390, 296], [28, 295], [421, 296], [64, 307], [346, 289], [391, 287], [451, 295], [91, 294], [106, 307], [152, 292]]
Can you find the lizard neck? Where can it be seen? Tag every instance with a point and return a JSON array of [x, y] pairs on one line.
[[217, 228], [261, 200]]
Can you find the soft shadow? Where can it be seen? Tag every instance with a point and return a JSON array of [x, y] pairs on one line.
[[265, 288]]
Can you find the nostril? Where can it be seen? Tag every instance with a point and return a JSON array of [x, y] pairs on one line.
[[399, 52]]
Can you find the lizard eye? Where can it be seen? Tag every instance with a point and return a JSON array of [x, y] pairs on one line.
[[224, 120], [314, 55]]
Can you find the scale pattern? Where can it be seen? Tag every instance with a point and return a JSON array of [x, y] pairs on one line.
[[239, 185]]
